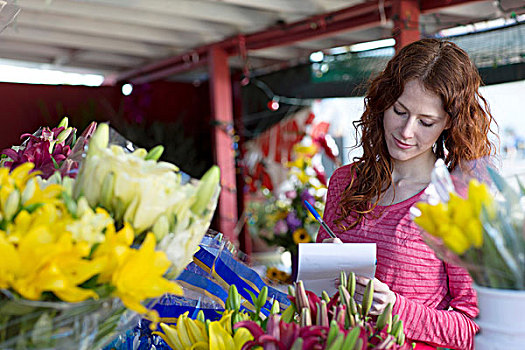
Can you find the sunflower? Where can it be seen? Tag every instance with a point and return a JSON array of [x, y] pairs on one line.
[[272, 273], [301, 236], [283, 276]]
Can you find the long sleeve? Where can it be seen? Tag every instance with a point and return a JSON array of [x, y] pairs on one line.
[[435, 300], [453, 328]]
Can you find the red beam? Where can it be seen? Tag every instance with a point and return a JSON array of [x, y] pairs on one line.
[[170, 70], [359, 16], [354, 17], [222, 115], [427, 6]]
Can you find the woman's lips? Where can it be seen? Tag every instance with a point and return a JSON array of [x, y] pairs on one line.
[[402, 145]]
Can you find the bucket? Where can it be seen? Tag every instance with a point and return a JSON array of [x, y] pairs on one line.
[[501, 319]]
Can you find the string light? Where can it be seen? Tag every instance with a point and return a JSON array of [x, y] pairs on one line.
[[276, 100]]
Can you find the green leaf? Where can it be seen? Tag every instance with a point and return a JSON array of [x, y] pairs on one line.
[[15, 308], [254, 298], [503, 186], [522, 188]]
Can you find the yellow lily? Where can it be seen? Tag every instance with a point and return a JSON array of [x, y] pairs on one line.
[[220, 339], [54, 265], [113, 250], [47, 216], [22, 173], [241, 337], [33, 193], [90, 225], [139, 275], [9, 262]]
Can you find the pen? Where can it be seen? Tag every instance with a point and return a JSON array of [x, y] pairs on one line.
[[318, 218]]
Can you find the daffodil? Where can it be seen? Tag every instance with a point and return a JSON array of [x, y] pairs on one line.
[[458, 222], [302, 176]]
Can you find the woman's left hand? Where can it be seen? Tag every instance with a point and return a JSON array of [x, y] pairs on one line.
[[382, 294]]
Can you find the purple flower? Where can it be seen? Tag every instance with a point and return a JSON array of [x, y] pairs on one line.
[[280, 227], [307, 196], [293, 221], [37, 150]]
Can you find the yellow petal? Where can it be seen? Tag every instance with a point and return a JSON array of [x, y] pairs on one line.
[[456, 241], [219, 338], [474, 232], [241, 337], [75, 294]]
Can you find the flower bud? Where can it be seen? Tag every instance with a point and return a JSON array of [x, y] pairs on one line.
[[11, 205], [155, 153], [161, 227], [29, 190], [64, 135]]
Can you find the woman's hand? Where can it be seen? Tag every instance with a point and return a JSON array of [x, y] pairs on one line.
[[332, 240], [382, 294]]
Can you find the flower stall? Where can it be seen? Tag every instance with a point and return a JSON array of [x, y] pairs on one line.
[[101, 243]]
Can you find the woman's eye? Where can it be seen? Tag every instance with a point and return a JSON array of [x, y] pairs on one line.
[[398, 112], [428, 125]]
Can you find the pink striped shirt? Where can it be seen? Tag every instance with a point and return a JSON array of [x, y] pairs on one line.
[[435, 300]]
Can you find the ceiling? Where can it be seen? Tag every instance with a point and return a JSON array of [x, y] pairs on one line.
[[111, 37]]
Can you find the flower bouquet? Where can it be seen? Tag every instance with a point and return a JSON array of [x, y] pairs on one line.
[[71, 262], [283, 220], [150, 195], [482, 229], [50, 149]]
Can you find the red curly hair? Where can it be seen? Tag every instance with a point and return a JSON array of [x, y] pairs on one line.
[[444, 69]]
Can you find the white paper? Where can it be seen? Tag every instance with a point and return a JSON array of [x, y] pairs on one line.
[[320, 264]]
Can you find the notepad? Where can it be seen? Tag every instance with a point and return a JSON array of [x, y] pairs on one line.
[[320, 264]]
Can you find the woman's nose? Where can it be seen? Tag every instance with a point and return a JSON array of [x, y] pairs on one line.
[[407, 130]]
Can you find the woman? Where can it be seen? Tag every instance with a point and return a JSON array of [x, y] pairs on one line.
[[424, 105]]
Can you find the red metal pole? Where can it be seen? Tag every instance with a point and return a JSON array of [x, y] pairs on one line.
[[222, 116], [245, 239], [405, 14]]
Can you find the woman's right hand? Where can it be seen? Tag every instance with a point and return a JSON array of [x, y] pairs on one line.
[[332, 240]]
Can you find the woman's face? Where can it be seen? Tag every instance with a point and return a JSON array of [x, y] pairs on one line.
[[414, 122]]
